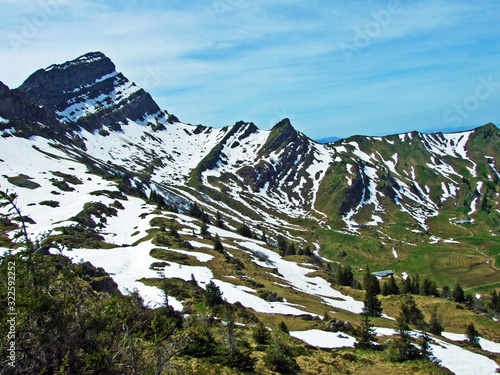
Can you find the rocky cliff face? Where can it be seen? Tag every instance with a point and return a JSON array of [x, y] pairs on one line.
[[26, 119], [90, 93]]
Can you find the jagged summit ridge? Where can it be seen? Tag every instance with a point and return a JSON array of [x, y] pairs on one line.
[[89, 91], [67, 77]]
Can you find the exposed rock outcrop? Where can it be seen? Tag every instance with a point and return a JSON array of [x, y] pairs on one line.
[[89, 92]]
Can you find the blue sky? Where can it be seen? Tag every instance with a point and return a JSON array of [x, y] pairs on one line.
[[334, 68]]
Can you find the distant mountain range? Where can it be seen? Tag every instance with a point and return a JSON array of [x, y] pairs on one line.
[[389, 192], [328, 140]]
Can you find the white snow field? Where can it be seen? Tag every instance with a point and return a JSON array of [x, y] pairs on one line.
[[453, 357], [487, 345], [462, 361], [323, 339]]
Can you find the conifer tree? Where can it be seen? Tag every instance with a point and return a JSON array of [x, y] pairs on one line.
[[445, 292], [307, 251], [290, 250], [345, 276], [213, 294], [366, 333], [472, 334], [245, 231], [406, 286], [435, 325], [458, 294], [218, 244], [402, 349], [390, 287], [283, 327], [282, 244], [425, 347], [412, 312], [494, 304], [280, 357], [371, 283], [204, 230], [261, 334], [373, 306], [415, 284], [218, 221], [426, 289]]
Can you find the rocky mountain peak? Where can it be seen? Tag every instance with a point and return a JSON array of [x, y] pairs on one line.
[[45, 86], [282, 134], [26, 118], [89, 91], [3, 88]]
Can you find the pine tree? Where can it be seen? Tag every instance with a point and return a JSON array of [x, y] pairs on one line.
[[283, 327], [282, 244], [472, 334], [406, 286], [290, 250], [366, 333], [245, 231], [371, 283], [445, 292], [213, 294], [458, 294], [307, 251], [280, 357], [495, 301], [412, 312], [218, 221], [435, 325], [390, 287], [425, 347], [426, 287], [373, 306], [173, 232], [194, 211], [415, 284], [345, 276], [218, 244], [261, 334], [401, 348], [204, 230]]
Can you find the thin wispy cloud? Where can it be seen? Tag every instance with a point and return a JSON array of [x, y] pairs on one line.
[[336, 68]]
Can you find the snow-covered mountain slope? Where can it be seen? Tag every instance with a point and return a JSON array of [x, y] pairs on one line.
[[277, 181], [56, 193], [419, 173], [279, 172], [54, 189], [124, 184]]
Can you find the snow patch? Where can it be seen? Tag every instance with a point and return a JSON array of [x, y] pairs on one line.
[[323, 339]]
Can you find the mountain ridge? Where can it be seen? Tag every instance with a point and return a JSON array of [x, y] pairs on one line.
[[278, 226], [279, 175]]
